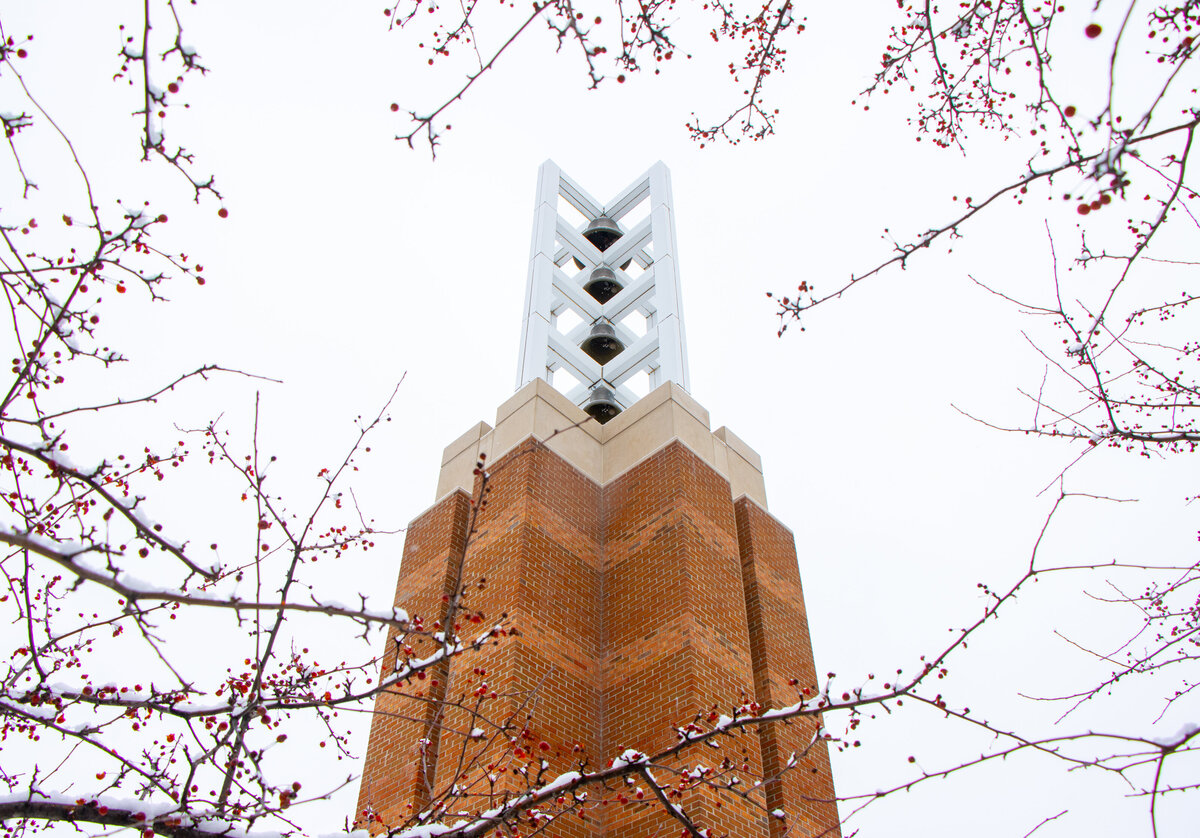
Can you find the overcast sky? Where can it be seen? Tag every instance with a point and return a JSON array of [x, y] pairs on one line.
[[349, 262]]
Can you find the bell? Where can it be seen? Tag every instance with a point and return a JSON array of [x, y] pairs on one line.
[[600, 405], [601, 344], [602, 284], [602, 232]]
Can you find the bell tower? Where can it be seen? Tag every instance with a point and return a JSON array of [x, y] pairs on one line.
[[625, 551]]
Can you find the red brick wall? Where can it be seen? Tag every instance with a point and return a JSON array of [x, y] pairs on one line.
[[394, 772], [782, 652], [639, 607], [674, 618], [538, 547]]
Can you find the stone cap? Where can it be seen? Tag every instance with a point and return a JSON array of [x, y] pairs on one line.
[[603, 452]]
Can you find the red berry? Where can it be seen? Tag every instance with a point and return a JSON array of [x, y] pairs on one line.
[[1083, 209], [223, 213], [21, 53], [173, 87], [1093, 30], [1106, 198], [1069, 110], [621, 79], [395, 107]]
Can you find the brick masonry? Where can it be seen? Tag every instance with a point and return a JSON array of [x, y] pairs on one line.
[[639, 606]]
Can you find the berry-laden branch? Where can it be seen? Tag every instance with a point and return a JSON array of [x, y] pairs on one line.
[[1131, 380], [13, 123], [642, 38], [1129, 370], [763, 31], [427, 123], [986, 58], [181, 60]]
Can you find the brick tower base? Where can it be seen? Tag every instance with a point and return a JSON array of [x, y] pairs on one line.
[[648, 588]]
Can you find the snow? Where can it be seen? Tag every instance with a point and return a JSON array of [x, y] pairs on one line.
[[561, 781], [64, 460], [1106, 164], [65, 547], [492, 815], [151, 809], [397, 614], [91, 563], [1187, 731], [412, 666], [27, 435], [629, 757], [45, 712]]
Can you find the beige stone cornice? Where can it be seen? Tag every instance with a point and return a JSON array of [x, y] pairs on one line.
[[604, 452]]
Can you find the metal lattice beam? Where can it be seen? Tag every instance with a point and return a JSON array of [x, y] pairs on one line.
[[653, 294]]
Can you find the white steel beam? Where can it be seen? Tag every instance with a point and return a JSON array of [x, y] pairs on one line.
[[661, 352]]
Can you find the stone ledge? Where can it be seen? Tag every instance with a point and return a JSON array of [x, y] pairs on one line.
[[603, 452]]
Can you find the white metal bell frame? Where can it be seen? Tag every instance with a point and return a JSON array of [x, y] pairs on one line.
[[653, 294]]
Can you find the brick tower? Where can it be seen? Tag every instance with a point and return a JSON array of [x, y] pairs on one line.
[[626, 550]]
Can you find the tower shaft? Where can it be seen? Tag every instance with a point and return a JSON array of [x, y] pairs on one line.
[[648, 586]]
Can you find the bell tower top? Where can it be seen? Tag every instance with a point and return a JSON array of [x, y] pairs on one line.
[[617, 277]]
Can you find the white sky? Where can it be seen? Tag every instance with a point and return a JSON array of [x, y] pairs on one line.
[[349, 261]]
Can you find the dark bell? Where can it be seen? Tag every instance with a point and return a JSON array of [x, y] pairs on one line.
[[602, 284], [601, 406], [602, 344], [602, 232]]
